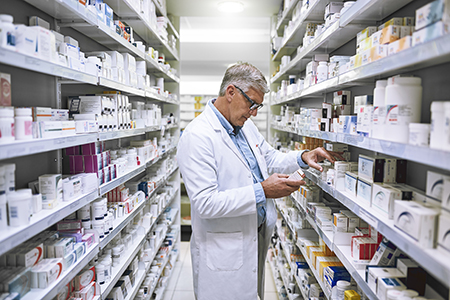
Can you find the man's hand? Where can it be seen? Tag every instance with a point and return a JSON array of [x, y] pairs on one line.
[[278, 185], [318, 155]]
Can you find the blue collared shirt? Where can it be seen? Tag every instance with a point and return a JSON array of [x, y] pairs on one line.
[[241, 143]]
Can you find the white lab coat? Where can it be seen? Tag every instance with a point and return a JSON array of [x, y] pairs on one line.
[[224, 245]]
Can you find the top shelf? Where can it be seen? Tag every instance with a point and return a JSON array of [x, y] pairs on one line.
[[163, 13], [287, 13]]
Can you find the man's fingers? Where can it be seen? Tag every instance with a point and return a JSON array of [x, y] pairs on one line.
[[315, 166]]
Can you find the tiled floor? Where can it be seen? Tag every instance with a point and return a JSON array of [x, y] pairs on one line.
[[180, 285]]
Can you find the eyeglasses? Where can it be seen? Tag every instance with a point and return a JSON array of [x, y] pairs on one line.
[[253, 104]]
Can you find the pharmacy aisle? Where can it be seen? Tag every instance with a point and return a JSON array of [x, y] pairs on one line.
[[364, 78], [89, 123]]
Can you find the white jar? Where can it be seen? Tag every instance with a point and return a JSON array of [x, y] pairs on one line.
[[100, 272], [322, 71], [97, 210], [437, 124], [338, 291], [10, 180], [7, 32], [394, 294], [403, 99], [37, 203], [23, 123], [110, 221], [84, 213], [447, 126], [379, 109], [99, 225], [19, 204], [105, 206], [6, 125], [419, 134], [410, 293], [116, 255], [107, 262], [86, 224], [330, 176]]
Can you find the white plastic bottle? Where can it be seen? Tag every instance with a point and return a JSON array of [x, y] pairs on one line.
[[10, 178], [6, 125], [322, 71], [100, 272], [437, 124], [419, 134], [403, 99], [23, 128], [338, 291], [379, 109], [7, 32], [19, 203]]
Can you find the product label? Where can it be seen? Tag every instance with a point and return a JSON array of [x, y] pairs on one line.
[[28, 127], [392, 114], [399, 115]]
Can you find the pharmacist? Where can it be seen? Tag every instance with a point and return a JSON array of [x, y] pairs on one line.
[[225, 162]]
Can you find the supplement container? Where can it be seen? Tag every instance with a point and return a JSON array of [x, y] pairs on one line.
[[19, 204], [6, 125], [403, 99], [322, 71], [97, 210], [419, 134], [84, 213], [394, 294], [107, 262], [7, 32], [116, 255], [338, 291], [23, 127], [379, 110], [437, 124], [86, 224], [99, 225], [100, 273], [447, 126], [10, 181], [110, 220]]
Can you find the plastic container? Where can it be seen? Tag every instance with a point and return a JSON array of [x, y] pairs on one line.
[[403, 99], [322, 71], [107, 262], [116, 255], [6, 125], [394, 294], [84, 213], [100, 272], [86, 224], [19, 204], [99, 225], [10, 178], [410, 293], [23, 127], [37, 203], [7, 32], [447, 126], [338, 291], [437, 124], [97, 210], [379, 109], [419, 134]]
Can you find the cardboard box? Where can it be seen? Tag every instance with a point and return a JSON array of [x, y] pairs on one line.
[[342, 97], [386, 284], [400, 45], [50, 187], [351, 182], [373, 274], [432, 12], [366, 33], [384, 253], [5, 89], [444, 231], [383, 197], [435, 185], [347, 124], [371, 168], [417, 221], [378, 52], [390, 34], [361, 101], [429, 33], [364, 191]]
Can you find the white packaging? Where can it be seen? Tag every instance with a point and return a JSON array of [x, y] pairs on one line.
[[19, 203], [71, 188], [297, 175], [63, 247], [45, 44], [374, 273], [390, 170], [388, 284], [419, 134], [446, 194], [351, 182], [26, 40], [322, 71], [50, 187], [364, 120], [437, 124], [379, 110], [129, 62], [50, 273], [347, 124], [435, 185], [383, 197], [384, 254], [364, 191], [444, 231], [417, 221]]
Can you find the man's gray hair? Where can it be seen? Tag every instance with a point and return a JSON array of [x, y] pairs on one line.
[[245, 76]]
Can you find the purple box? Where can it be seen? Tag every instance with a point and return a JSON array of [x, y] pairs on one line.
[[78, 236], [75, 150], [76, 164], [92, 163], [92, 148]]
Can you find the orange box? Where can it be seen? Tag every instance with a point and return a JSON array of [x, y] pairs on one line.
[[390, 34]]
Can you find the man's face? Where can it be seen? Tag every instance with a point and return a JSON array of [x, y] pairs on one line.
[[240, 106]]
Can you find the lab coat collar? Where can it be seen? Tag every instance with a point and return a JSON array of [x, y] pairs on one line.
[[217, 126]]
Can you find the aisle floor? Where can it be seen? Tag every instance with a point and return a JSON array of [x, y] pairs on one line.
[[180, 286]]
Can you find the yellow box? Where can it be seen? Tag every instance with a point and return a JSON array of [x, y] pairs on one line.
[[378, 52], [365, 57], [365, 44], [408, 21], [400, 45], [311, 249], [315, 255], [198, 98], [198, 105], [390, 34], [351, 295], [394, 21], [376, 38], [367, 32], [324, 264]]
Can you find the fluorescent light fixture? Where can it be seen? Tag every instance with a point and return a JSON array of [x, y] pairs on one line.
[[231, 6]]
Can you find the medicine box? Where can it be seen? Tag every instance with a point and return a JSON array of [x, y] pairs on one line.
[[390, 34], [71, 188], [347, 124], [18, 282], [41, 114], [429, 33], [327, 110], [371, 168], [416, 277], [362, 100], [364, 119], [444, 231], [364, 191], [29, 256], [51, 187], [417, 221], [435, 185], [365, 33], [400, 45], [336, 147], [50, 272], [342, 98], [383, 197], [69, 259], [431, 13], [375, 273], [386, 284], [84, 278], [383, 254], [341, 109]]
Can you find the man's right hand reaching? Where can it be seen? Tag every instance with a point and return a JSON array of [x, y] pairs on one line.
[[278, 185]]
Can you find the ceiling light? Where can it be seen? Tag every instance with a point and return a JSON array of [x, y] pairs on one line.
[[231, 6]]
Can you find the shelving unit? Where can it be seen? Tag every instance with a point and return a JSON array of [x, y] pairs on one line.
[[37, 82], [427, 61]]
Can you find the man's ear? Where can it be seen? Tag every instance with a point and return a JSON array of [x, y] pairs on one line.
[[229, 92]]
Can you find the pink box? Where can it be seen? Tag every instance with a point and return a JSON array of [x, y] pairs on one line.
[[89, 239], [76, 164], [75, 150], [92, 148]]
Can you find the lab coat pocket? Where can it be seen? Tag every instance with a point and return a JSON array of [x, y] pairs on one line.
[[224, 250]]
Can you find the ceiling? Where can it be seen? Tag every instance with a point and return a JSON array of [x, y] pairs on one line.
[[211, 40]]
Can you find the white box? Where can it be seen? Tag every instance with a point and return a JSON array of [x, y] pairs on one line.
[[374, 273], [435, 185], [63, 247], [383, 197], [351, 182], [361, 101], [50, 187], [384, 253], [364, 119], [432, 12], [347, 124], [117, 60], [50, 273], [26, 40], [129, 62], [364, 191], [417, 221], [45, 45], [71, 188], [446, 194], [444, 231], [371, 168], [387, 284], [429, 33], [29, 257]]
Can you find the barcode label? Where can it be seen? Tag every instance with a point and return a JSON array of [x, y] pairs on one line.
[[13, 211]]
